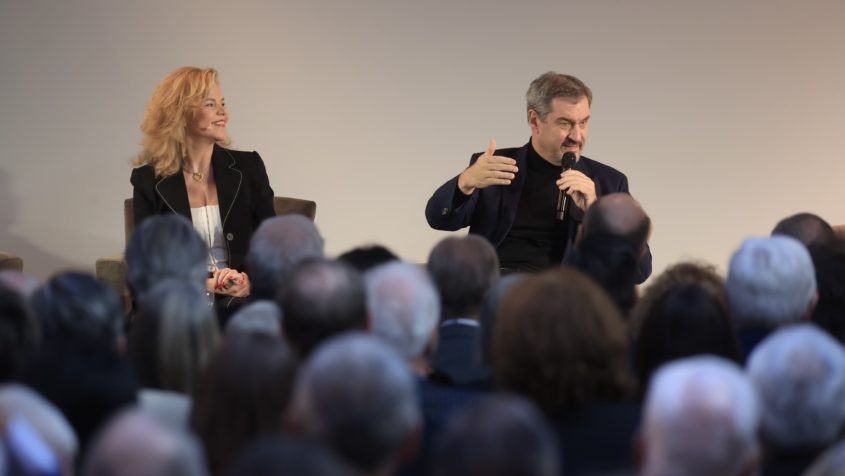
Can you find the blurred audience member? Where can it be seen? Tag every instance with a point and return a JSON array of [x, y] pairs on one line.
[[807, 228], [77, 306], [700, 418], [356, 395], [463, 270], [23, 284], [404, 308], [79, 367], [19, 333], [365, 258], [257, 317], [829, 264], [243, 393], [771, 283], [135, 443], [799, 373], [165, 246], [559, 341], [174, 337], [499, 436], [282, 455], [319, 299], [830, 463], [685, 313], [277, 246], [489, 310], [48, 424], [611, 247]]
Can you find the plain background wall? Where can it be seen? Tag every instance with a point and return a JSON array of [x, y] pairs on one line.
[[725, 115]]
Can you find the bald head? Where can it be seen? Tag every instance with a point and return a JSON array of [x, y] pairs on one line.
[[620, 215]]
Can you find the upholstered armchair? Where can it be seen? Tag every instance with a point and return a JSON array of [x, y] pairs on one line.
[[9, 261], [112, 270]]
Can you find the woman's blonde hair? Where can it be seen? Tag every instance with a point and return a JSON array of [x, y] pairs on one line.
[[167, 115]]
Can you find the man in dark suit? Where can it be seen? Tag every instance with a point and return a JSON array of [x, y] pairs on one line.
[[510, 196], [463, 270]]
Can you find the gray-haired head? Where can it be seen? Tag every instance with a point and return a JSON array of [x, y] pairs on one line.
[[278, 245], [357, 396], [165, 246], [136, 443], [258, 317], [43, 417], [404, 307], [701, 417], [799, 372], [771, 282], [548, 86]]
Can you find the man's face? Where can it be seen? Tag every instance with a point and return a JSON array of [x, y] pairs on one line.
[[563, 130]]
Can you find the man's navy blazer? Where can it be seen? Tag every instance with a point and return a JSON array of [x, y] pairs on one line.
[[491, 211]]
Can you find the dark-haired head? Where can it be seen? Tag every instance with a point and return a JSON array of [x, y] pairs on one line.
[[79, 307]]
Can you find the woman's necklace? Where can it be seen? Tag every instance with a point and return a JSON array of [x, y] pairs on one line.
[[196, 176]]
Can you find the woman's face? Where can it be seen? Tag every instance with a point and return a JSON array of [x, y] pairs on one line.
[[210, 118]]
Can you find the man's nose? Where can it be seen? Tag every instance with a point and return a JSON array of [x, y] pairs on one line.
[[575, 133]]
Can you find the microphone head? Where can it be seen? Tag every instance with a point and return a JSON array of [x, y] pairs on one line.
[[568, 160]]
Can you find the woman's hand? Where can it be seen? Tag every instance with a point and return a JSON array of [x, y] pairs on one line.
[[229, 282]]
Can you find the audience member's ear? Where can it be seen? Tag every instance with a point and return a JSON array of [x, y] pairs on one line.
[[811, 307], [411, 445], [291, 425], [638, 447], [749, 468], [431, 347], [120, 345]]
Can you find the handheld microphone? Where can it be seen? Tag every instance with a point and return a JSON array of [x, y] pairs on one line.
[[562, 198]]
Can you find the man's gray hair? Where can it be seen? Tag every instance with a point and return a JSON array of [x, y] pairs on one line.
[[278, 245], [548, 86], [357, 396], [404, 306], [165, 246], [771, 282], [701, 416], [799, 372], [259, 317], [135, 442]]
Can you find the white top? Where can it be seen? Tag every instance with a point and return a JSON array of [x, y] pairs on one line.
[[207, 223]]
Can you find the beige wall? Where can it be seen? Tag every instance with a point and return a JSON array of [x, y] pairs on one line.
[[725, 115]]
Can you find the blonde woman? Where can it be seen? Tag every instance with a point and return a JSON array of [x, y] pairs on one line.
[[183, 168]]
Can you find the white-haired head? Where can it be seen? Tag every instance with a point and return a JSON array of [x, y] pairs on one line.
[[799, 372], [701, 417], [771, 282], [404, 307]]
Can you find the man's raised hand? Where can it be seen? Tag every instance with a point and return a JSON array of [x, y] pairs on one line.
[[488, 170]]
